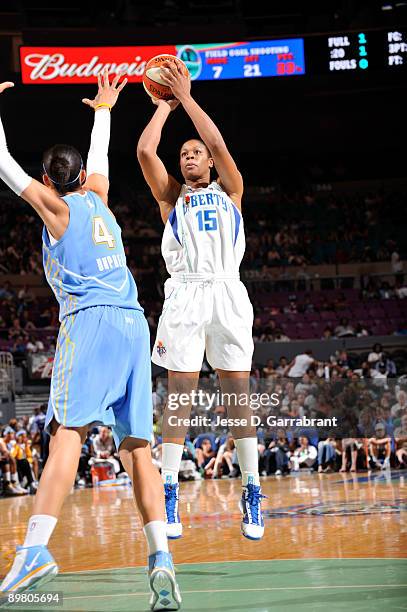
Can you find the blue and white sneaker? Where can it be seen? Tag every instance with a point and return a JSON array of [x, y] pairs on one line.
[[33, 566], [165, 594], [252, 525], [174, 525]]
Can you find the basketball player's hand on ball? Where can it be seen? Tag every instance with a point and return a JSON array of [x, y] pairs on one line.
[[5, 85], [107, 92], [173, 103], [174, 77]]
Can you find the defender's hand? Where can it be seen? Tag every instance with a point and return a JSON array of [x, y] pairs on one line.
[[107, 93], [5, 85], [174, 77]]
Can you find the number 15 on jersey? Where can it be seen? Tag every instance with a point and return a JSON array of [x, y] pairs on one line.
[[207, 220]]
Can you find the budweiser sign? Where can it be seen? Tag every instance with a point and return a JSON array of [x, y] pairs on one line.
[[42, 65]]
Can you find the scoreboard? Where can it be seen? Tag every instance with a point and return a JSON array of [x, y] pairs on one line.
[[260, 58], [348, 52], [358, 52], [342, 52]]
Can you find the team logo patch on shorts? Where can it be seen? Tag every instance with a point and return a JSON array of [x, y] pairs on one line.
[[161, 350]]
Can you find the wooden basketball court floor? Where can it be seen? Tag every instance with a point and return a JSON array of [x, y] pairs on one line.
[[333, 542]]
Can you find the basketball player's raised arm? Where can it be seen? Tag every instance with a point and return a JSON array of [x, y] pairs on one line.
[[52, 209], [164, 187], [229, 175], [97, 167]]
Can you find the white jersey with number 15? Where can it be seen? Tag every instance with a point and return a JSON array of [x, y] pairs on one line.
[[204, 233]]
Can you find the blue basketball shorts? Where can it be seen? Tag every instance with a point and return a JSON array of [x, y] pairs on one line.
[[102, 372]]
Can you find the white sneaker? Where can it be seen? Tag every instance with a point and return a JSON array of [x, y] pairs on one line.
[[174, 525], [10, 491], [165, 594], [252, 525], [32, 565], [17, 487]]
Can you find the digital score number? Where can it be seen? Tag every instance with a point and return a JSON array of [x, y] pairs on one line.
[[348, 52]]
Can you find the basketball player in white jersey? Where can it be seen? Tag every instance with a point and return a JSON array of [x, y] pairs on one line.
[[206, 306]]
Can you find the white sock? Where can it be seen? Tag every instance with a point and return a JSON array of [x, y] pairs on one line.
[[39, 530], [156, 535], [7, 476], [14, 478], [172, 455], [248, 456]]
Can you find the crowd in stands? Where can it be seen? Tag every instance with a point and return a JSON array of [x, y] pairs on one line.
[[282, 229], [24, 446], [367, 394], [29, 324], [296, 230], [22, 453], [366, 397], [284, 232], [309, 228]]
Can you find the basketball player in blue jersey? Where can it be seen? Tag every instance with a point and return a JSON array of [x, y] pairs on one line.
[[206, 306], [102, 368]]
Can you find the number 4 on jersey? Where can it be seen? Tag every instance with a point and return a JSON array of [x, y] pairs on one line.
[[101, 234]]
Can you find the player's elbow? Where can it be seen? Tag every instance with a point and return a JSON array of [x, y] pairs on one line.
[[144, 152]]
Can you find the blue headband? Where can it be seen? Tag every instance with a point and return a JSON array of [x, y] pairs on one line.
[[69, 182]]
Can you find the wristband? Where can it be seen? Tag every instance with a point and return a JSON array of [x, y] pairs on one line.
[[103, 104]]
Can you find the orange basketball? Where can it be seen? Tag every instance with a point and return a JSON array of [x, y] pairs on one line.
[[152, 81]]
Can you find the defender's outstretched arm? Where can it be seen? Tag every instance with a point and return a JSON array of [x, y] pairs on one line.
[[97, 167], [229, 175], [164, 187]]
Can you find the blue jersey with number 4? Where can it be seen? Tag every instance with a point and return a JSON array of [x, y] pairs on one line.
[[87, 266]]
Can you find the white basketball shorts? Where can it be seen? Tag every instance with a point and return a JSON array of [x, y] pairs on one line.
[[201, 315]]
